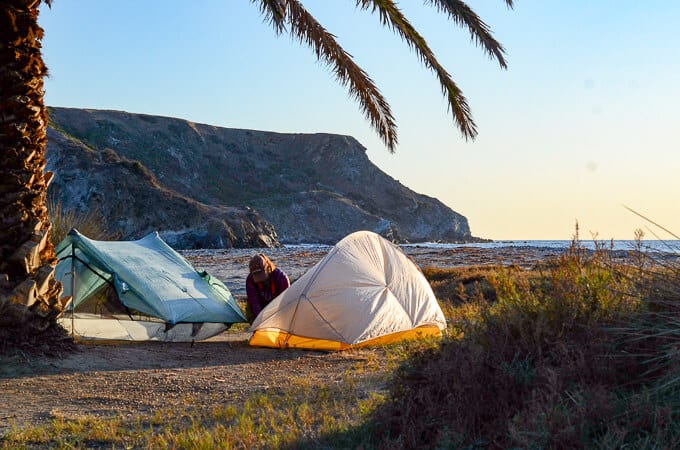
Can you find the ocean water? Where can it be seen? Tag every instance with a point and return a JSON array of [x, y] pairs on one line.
[[664, 246]]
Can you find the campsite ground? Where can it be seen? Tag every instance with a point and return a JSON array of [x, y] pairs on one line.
[[130, 379]]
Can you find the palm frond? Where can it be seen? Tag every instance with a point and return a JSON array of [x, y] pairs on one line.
[[274, 13], [391, 16], [305, 28], [460, 13]]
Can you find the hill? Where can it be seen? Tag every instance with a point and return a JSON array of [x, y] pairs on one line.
[[211, 187]]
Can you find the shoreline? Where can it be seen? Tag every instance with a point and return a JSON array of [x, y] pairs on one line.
[[231, 265]]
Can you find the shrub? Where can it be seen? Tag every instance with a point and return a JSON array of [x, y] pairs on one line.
[[541, 366]]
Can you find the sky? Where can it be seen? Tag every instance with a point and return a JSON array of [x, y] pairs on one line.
[[582, 124]]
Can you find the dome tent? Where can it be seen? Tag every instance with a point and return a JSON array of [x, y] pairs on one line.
[[365, 291], [139, 290]]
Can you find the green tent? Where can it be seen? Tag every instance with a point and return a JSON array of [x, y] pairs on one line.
[[139, 290]]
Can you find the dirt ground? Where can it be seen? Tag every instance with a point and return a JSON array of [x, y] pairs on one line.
[[129, 379], [139, 378]]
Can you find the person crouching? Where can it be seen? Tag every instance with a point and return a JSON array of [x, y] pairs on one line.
[[264, 282]]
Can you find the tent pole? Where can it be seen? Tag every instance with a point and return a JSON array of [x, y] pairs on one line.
[[73, 289]]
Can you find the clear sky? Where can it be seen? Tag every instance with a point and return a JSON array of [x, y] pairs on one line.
[[584, 121]]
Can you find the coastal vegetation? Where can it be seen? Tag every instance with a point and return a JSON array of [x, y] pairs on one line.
[[580, 352]]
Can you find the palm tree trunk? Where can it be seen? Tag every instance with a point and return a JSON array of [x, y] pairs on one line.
[[29, 294]]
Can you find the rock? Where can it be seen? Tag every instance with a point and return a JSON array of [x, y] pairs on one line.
[[218, 187]]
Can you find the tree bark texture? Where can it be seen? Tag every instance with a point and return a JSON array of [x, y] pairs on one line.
[[29, 294]]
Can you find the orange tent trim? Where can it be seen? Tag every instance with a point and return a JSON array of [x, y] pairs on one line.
[[275, 338]]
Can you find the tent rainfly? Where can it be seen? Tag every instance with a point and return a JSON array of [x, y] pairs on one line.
[[139, 290], [365, 291]]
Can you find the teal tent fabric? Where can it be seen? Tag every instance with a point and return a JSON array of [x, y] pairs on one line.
[[148, 276]]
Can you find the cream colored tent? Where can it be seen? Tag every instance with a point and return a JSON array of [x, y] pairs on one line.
[[364, 292]]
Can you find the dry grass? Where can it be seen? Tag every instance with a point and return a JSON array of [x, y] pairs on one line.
[[90, 224]]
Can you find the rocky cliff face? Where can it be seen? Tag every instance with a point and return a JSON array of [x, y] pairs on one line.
[[204, 186], [134, 203]]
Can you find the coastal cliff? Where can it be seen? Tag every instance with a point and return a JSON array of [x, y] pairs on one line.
[[211, 187]]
